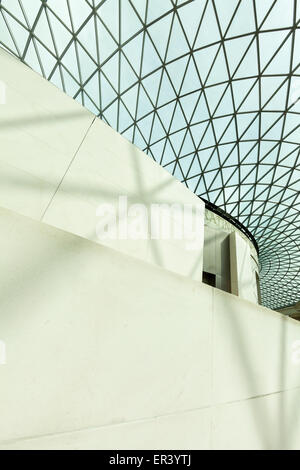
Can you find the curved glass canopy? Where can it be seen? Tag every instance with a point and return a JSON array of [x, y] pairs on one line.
[[208, 88]]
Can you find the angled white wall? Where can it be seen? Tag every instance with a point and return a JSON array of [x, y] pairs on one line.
[[106, 351], [58, 163]]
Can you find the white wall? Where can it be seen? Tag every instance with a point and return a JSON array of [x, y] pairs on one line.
[[58, 163], [242, 269], [103, 349], [106, 351], [231, 256], [216, 258]]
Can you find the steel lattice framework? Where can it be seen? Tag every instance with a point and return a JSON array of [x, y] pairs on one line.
[[208, 88]]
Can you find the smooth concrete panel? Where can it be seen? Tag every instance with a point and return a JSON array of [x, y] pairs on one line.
[[269, 422], [23, 192], [253, 349], [64, 158], [40, 131], [190, 430], [106, 167], [113, 157], [94, 337], [242, 273], [102, 346]]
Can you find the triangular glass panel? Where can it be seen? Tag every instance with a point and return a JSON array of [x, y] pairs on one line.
[[248, 66], [87, 37], [32, 11], [235, 49], [230, 133], [176, 70], [243, 21], [213, 95], [186, 162], [130, 99], [157, 8], [128, 134], [125, 120], [244, 121], [177, 43], [133, 52], [191, 81], [86, 64], [240, 90], [107, 92], [208, 138], [71, 85], [111, 70], [127, 76], [158, 132], [204, 59], [5, 36], [269, 42], [42, 31], [209, 31], [190, 17], [193, 183], [70, 61], [226, 104], [177, 140], [110, 20], [15, 9], [20, 34], [145, 125], [157, 149], [197, 131], [188, 104], [281, 15], [140, 8], [47, 59], [107, 45], [56, 78], [166, 93], [62, 36], [225, 13], [188, 144], [262, 9], [201, 113], [32, 59], [111, 114], [165, 114], [90, 105], [159, 33], [144, 104], [80, 12], [281, 62], [130, 22], [220, 126], [219, 71], [92, 87], [275, 132], [151, 84], [138, 139], [151, 60], [251, 103], [178, 121]]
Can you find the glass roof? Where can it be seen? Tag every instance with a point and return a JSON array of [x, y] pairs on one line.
[[208, 88]]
